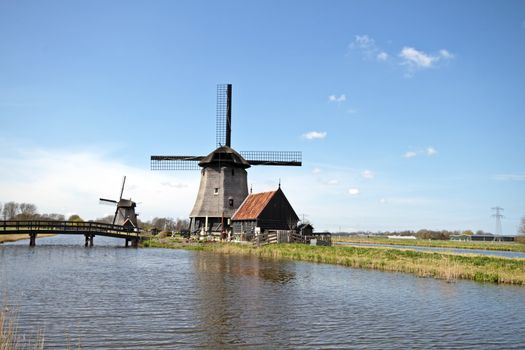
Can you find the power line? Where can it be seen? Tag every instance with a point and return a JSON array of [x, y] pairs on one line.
[[498, 217]]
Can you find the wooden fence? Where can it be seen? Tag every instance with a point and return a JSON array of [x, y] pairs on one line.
[[284, 236]]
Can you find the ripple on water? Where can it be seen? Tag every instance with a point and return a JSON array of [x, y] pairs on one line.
[[108, 297]]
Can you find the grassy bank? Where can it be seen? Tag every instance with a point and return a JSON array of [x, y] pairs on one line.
[[424, 264], [18, 237], [501, 246]]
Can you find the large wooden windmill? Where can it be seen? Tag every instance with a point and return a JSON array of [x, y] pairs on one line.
[[224, 184]]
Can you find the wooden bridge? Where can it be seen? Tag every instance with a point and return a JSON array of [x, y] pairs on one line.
[[88, 229]]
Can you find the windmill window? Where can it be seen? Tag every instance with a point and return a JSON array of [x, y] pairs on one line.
[[216, 190], [230, 202]]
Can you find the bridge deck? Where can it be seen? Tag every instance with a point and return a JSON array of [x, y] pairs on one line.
[[68, 227]]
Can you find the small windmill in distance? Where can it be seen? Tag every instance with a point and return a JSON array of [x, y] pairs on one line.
[[125, 212]]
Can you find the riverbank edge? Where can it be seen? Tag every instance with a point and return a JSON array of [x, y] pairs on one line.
[[446, 266], [499, 246], [4, 238]]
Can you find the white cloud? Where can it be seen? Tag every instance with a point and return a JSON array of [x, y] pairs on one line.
[[73, 181], [175, 184], [409, 57], [431, 151], [445, 54], [353, 191], [352, 111], [410, 154], [316, 171], [367, 174], [368, 48], [334, 98], [363, 42], [510, 177], [332, 182], [415, 58], [382, 56], [382, 200], [315, 135]]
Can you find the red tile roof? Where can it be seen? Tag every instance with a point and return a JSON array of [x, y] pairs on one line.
[[253, 206]]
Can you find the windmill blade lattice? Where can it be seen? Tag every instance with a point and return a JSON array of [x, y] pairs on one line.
[[175, 162], [283, 158], [224, 115]]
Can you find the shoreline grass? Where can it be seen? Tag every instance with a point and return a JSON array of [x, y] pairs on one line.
[[438, 265], [500, 246], [10, 339], [19, 237]]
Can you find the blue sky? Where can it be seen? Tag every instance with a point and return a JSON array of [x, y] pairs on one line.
[[409, 114]]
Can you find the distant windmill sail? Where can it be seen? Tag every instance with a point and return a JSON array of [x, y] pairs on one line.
[[107, 201], [123, 184]]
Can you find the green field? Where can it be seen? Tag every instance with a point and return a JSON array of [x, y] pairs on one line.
[[424, 264], [502, 246]]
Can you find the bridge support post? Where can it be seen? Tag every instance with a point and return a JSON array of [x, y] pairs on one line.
[[135, 243], [32, 239], [127, 242], [89, 240]]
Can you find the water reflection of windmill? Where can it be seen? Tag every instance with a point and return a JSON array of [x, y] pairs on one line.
[[223, 186], [125, 209]]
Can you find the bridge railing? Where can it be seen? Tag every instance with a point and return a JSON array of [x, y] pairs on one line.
[[35, 226]]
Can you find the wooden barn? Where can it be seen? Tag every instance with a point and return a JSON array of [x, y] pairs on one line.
[[261, 212], [305, 229]]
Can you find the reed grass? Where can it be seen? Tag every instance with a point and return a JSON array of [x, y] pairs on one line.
[[18, 237], [500, 246], [439, 265], [10, 339]]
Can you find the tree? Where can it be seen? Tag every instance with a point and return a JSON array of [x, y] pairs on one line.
[[163, 224], [27, 211], [182, 225], [53, 216], [10, 210], [106, 219], [75, 218]]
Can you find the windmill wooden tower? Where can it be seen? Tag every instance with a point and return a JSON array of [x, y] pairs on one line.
[[224, 185], [125, 209]]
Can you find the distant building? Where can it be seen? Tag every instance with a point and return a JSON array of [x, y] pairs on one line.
[[261, 212], [305, 229], [485, 237]]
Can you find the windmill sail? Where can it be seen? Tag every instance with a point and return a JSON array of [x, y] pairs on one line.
[[107, 201], [224, 115], [175, 162], [283, 158], [123, 184]]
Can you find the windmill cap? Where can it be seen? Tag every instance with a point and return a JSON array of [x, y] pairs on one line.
[[126, 203], [225, 155]]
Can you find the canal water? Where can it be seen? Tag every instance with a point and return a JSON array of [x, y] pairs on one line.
[[110, 297], [502, 253]]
